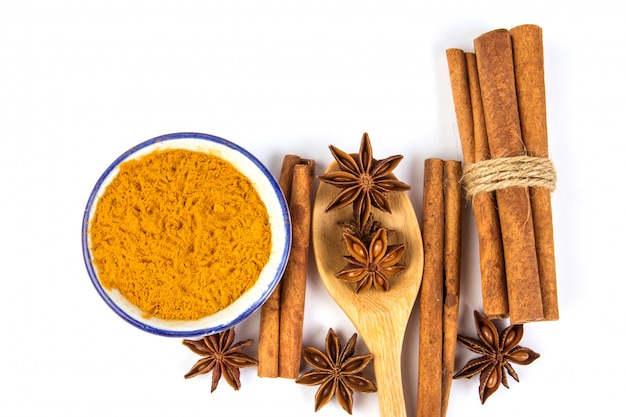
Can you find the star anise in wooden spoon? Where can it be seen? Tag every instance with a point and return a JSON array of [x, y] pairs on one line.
[[221, 357], [365, 232], [337, 372], [371, 263], [364, 180], [498, 352]]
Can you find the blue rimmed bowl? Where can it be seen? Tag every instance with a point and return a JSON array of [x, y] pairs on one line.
[[269, 191]]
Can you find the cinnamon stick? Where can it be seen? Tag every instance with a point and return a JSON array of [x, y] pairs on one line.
[[462, 98], [494, 289], [453, 198], [473, 137], [293, 287], [527, 41], [270, 311], [494, 58], [429, 384]]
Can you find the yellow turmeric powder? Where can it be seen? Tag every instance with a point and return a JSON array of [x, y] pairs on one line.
[[181, 234]]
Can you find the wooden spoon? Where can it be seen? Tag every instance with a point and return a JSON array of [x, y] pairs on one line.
[[379, 317]]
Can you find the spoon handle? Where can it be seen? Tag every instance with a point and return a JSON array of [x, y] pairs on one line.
[[388, 369]]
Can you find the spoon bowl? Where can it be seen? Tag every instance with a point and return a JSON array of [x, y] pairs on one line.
[[380, 317]]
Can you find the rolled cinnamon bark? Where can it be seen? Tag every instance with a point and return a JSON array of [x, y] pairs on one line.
[[270, 311], [453, 203], [293, 287], [494, 58], [527, 41], [429, 384], [473, 137], [461, 96], [495, 298]]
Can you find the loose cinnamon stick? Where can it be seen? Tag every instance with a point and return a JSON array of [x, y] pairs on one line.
[[270, 310], [527, 43], [494, 58], [472, 132], [293, 287], [429, 385], [453, 198]]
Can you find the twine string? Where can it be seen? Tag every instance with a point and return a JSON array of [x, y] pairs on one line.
[[515, 171]]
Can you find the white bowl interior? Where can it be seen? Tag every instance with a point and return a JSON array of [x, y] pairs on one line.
[[247, 303]]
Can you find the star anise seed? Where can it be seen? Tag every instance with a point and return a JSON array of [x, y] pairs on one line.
[[498, 351], [221, 357], [337, 372], [364, 180], [371, 264]]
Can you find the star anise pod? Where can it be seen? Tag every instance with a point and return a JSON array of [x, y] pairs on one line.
[[221, 357], [364, 180], [498, 352], [371, 264], [364, 233], [337, 372]]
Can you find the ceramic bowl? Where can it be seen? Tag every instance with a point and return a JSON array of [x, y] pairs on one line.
[[269, 191]]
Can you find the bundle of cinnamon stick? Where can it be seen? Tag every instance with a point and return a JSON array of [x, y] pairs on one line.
[[500, 104], [282, 315]]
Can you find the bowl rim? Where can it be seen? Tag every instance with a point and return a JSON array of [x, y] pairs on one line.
[[250, 309]]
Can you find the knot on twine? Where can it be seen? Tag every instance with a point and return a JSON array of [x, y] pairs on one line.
[[515, 171]]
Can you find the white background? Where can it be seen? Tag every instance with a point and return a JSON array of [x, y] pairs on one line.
[[83, 81]]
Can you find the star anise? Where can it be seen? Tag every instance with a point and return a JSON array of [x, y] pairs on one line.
[[337, 372], [221, 357], [364, 233], [498, 352], [373, 263], [364, 180]]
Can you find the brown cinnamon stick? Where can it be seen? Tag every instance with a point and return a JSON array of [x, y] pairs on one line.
[[462, 98], [453, 202], [269, 326], [494, 58], [473, 137], [293, 287], [527, 41], [494, 290], [429, 384]]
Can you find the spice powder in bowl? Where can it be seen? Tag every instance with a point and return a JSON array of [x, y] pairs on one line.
[[185, 235]]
